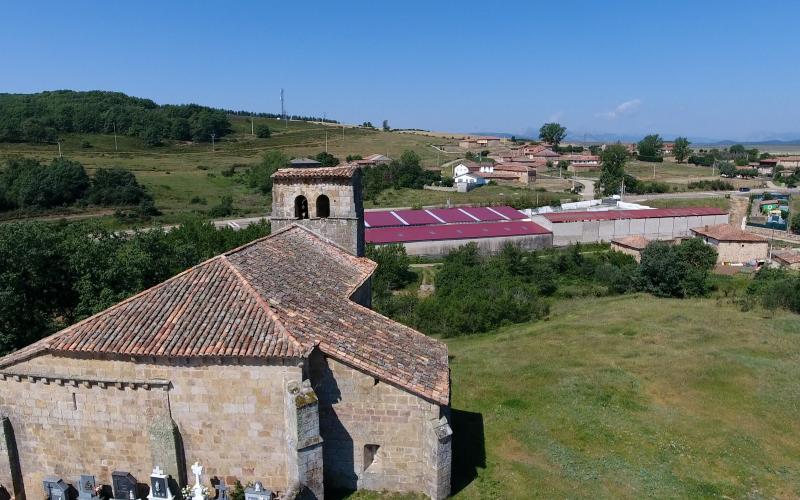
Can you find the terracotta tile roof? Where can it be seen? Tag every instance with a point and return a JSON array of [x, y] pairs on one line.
[[341, 171], [280, 296], [513, 167], [787, 257], [636, 242], [725, 232]]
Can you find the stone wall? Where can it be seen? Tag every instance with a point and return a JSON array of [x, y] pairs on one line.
[[344, 225], [739, 252], [357, 412], [73, 416]]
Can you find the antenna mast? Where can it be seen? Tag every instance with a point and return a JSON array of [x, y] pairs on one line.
[[283, 111]]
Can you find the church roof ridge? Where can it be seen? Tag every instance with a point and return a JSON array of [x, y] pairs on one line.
[[279, 296]]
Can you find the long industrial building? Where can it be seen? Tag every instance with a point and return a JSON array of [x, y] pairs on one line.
[[570, 227], [434, 232]]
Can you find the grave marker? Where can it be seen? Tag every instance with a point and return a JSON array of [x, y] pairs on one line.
[[159, 486], [124, 485], [86, 488]]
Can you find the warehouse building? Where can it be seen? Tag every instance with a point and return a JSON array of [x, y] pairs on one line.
[[569, 227], [434, 232]]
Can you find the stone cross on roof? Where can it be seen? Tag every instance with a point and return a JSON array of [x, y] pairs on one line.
[[157, 471]]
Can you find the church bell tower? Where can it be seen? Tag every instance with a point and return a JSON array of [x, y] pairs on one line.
[[327, 201]]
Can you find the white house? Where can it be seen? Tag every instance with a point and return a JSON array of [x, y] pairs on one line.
[[467, 167], [468, 178]]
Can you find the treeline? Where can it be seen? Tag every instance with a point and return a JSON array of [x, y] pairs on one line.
[[28, 184], [52, 275], [297, 118], [475, 293], [44, 116], [407, 172]]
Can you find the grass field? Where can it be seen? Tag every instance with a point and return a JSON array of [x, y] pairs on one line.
[[630, 397], [720, 202], [178, 172]]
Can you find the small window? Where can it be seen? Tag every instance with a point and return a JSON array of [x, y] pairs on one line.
[[323, 207], [370, 452], [74, 401], [301, 207]]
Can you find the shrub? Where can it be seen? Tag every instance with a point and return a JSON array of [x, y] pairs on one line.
[[263, 132]]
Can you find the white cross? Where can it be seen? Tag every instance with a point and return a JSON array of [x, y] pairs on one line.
[[158, 471]]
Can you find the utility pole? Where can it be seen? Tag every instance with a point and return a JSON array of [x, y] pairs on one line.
[[213, 136], [252, 127], [59, 146], [326, 141], [283, 112], [115, 136]]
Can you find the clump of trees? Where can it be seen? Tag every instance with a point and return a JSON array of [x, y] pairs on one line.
[[260, 175], [651, 148], [44, 116], [773, 289], [475, 293], [714, 185], [552, 133], [406, 172], [53, 274], [680, 149], [612, 169], [28, 184]]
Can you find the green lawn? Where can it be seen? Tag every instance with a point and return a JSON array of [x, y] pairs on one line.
[[630, 397], [721, 202]]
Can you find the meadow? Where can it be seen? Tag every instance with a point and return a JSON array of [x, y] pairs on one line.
[[629, 397], [187, 177]]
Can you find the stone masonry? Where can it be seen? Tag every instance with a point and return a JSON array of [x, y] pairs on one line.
[[345, 223]]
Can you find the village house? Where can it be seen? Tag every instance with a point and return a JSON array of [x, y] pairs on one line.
[[630, 245], [789, 162], [668, 148], [373, 160], [304, 163], [264, 364], [540, 152], [789, 259], [733, 245], [582, 163]]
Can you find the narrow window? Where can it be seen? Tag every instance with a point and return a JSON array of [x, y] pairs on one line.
[[74, 402], [323, 207], [301, 207], [370, 452]]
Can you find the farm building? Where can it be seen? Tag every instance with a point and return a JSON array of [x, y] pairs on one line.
[[582, 163], [570, 227], [733, 245], [788, 258], [788, 162], [434, 232], [372, 160], [630, 245]]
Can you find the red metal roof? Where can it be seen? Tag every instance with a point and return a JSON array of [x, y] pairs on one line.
[[632, 214], [437, 216], [452, 232]]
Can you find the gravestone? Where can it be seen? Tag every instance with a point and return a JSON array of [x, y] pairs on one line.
[[257, 492], [124, 484], [159, 486], [56, 489], [86, 488], [222, 490]]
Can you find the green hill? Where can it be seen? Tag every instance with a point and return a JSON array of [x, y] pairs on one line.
[[630, 397]]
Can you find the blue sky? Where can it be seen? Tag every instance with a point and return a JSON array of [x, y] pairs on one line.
[[706, 69]]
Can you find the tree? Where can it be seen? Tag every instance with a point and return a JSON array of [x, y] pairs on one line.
[[612, 169], [680, 149], [650, 148], [796, 223], [327, 159], [115, 186], [552, 133], [260, 175], [386, 127], [263, 131], [676, 270]]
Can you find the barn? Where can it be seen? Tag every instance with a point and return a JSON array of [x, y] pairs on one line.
[[570, 227], [434, 232]]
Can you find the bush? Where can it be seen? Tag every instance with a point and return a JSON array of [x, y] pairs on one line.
[[263, 132], [116, 186], [676, 270], [223, 209], [715, 185]]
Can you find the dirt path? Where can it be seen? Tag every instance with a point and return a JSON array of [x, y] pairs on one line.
[[738, 210]]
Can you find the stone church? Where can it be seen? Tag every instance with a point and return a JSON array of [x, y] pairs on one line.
[[264, 364]]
